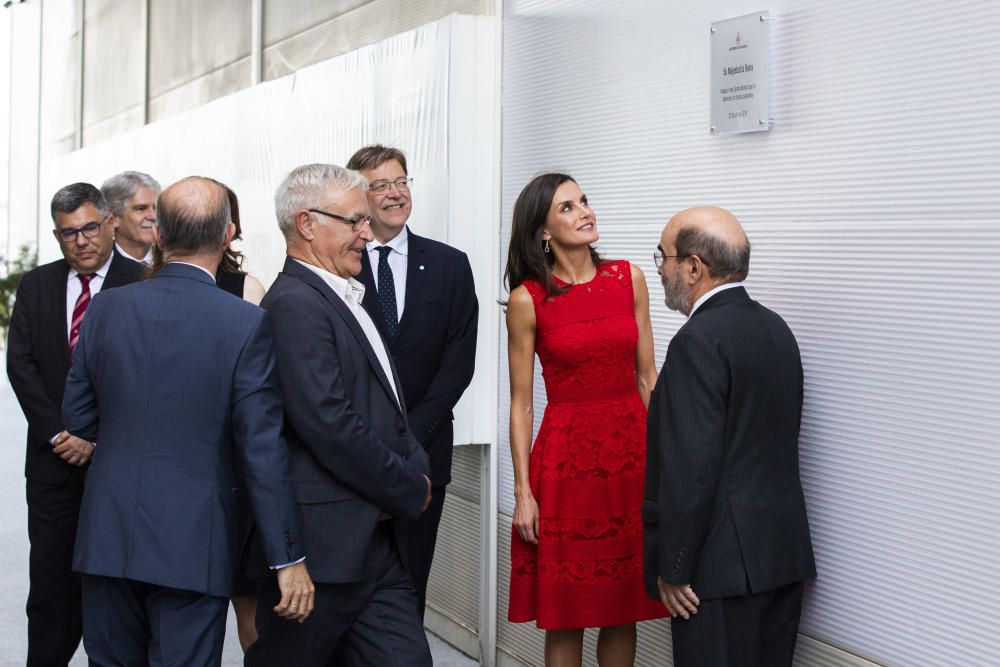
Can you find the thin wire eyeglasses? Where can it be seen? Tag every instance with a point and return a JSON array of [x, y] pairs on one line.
[[89, 230], [356, 223], [659, 258], [381, 187]]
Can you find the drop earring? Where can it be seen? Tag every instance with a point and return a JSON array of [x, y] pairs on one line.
[[547, 249]]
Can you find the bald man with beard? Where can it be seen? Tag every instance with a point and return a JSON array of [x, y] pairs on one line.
[[726, 538]]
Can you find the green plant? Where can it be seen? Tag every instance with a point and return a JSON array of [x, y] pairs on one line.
[[26, 260]]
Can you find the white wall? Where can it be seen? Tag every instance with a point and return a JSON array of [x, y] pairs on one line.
[[873, 210], [405, 91]]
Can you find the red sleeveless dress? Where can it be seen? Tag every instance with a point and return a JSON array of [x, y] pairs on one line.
[[587, 466]]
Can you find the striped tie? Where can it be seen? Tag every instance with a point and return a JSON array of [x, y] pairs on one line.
[[79, 309]]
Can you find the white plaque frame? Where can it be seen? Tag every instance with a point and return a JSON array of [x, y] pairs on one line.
[[741, 74]]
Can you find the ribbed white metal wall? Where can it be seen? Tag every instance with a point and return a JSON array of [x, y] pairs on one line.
[[874, 211]]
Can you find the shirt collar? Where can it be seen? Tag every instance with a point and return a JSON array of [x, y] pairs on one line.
[[202, 268], [347, 289], [401, 243], [102, 272], [147, 260], [712, 292]]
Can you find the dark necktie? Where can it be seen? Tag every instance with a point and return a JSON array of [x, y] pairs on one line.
[[387, 292], [79, 309]]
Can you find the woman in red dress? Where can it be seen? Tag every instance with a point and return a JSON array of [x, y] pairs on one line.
[[576, 547]]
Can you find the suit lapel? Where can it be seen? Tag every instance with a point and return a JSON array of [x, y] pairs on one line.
[[116, 272], [295, 269], [54, 297], [415, 271]]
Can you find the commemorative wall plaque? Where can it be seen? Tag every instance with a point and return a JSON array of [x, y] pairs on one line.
[[740, 77]]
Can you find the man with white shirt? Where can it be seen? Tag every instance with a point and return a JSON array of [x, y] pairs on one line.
[[132, 198], [726, 539], [421, 295], [358, 471], [45, 326]]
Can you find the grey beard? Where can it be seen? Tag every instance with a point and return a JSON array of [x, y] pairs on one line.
[[678, 301]]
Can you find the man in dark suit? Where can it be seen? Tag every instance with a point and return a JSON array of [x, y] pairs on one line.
[[421, 295], [51, 302], [172, 378], [727, 544], [359, 473]]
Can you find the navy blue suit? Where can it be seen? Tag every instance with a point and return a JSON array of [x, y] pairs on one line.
[[435, 354], [172, 378], [359, 475]]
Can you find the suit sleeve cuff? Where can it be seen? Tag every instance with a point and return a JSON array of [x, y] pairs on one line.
[[284, 565]]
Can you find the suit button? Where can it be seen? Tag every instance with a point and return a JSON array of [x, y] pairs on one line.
[[402, 430]]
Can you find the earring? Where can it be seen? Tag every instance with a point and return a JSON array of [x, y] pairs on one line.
[[547, 249]]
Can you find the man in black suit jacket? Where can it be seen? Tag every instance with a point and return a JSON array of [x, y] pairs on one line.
[[422, 296], [173, 379], [359, 473], [38, 359], [727, 544]]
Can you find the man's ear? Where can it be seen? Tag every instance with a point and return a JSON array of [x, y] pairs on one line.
[[156, 236], [230, 233], [305, 225]]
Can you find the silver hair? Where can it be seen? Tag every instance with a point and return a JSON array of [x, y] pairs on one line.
[[121, 187], [304, 186]]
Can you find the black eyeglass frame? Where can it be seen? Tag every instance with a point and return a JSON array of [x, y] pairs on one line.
[[357, 224], [382, 187], [70, 234]]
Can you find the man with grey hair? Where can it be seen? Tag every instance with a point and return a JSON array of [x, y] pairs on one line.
[[174, 379], [45, 326], [360, 474], [726, 538], [132, 198]]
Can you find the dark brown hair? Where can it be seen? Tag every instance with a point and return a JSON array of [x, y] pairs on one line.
[[370, 157], [526, 257]]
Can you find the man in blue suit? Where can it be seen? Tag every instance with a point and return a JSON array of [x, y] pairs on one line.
[[422, 296], [172, 379]]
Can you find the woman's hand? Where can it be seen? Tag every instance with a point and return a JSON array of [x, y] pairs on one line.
[[526, 518]]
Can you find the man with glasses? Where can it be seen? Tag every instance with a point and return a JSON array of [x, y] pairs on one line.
[[51, 303], [358, 471], [422, 296], [727, 544]]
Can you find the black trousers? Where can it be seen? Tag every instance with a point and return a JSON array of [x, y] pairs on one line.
[[54, 609], [128, 622], [756, 630], [422, 536], [370, 622]]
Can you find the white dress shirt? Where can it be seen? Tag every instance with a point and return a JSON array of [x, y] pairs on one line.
[[147, 260], [352, 292], [397, 262], [712, 292], [74, 289]]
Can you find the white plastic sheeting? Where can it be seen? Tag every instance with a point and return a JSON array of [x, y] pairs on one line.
[[428, 91], [873, 209]]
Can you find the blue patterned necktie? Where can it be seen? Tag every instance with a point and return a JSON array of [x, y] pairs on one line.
[[387, 292]]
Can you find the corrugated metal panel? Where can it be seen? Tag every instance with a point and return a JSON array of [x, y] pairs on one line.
[[467, 474], [453, 588], [114, 62], [872, 206]]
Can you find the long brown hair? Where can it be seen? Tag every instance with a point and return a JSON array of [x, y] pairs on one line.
[[232, 260], [526, 257]]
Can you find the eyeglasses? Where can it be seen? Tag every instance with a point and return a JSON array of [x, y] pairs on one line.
[[659, 258], [381, 187], [356, 223], [89, 230]]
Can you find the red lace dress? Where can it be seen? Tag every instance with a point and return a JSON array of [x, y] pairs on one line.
[[587, 465]]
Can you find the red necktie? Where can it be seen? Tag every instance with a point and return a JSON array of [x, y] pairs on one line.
[[79, 309]]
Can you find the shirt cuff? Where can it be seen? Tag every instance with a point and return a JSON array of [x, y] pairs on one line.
[[294, 562]]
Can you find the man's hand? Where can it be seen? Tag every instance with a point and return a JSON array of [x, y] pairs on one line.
[[297, 593], [679, 599], [427, 500], [73, 450]]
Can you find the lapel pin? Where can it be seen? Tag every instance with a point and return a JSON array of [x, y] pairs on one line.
[[421, 267]]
